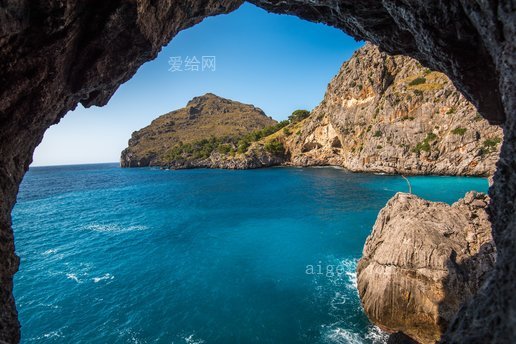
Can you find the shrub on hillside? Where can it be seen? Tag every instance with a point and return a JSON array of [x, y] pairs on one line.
[[417, 81], [298, 116], [275, 147]]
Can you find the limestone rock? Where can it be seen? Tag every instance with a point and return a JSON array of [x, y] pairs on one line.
[[423, 261], [389, 114]]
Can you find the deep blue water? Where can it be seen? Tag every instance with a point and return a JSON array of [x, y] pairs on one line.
[[112, 255]]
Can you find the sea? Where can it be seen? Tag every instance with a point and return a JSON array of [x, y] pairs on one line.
[[145, 255]]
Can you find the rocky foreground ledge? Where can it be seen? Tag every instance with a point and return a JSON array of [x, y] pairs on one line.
[[422, 261]]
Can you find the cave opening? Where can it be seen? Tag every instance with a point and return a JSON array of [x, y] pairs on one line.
[[397, 28]]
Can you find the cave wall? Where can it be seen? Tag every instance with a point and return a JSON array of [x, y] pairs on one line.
[[58, 53], [54, 55]]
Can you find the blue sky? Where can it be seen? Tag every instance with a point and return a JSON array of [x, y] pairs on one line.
[[276, 62]]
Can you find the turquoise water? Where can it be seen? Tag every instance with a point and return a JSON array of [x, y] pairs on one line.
[[112, 255]]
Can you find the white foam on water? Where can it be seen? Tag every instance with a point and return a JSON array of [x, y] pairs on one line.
[[341, 336], [53, 334], [376, 336], [130, 336], [192, 340], [352, 280], [348, 275], [48, 335], [338, 300], [49, 252], [114, 228], [341, 289], [73, 277], [49, 305], [103, 278]]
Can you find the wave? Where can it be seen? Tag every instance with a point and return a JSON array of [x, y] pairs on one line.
[[339, 335], [348, 275], [114, 228], [49, 252], [103, 278], [191, 340], [131, 336], [341, 291], [376, 336], [338, 301], [73, 277], [352, 280], [48, 305], [49, 335]]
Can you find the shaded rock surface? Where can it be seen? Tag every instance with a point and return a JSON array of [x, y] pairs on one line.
[[56, 54], [204, 117], [422, 261], [400, 338]]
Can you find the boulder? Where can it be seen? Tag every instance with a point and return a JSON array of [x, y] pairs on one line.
[[422, 261]]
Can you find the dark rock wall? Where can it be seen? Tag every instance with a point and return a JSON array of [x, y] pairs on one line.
[[57, 53], [474, 43], [463, 39]]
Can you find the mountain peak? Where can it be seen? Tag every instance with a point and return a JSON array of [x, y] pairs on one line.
[[204, 117], [207, 98]]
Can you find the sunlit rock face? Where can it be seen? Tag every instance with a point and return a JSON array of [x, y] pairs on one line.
[[55, 54], [422, 261], [384, 113]]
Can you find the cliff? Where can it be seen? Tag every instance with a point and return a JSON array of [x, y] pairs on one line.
[[423, 261], [188, 136], [389, 114], [380, 113]]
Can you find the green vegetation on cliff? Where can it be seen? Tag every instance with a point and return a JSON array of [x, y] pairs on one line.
[[208, 127], [208, 123], [227, 145]]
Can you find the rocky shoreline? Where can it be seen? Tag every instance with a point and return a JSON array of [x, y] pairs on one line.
[[380, 114]]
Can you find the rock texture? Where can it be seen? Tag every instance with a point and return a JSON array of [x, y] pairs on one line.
[[389, 114], [203, 117], [55, 54], [422, 261]]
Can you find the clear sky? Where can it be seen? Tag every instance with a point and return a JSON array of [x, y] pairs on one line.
[[276, 62]]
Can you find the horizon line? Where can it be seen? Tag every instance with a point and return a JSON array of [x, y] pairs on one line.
[[76, 164]]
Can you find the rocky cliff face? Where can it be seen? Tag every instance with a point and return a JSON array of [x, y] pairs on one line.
[[203, 118], [389, 114], [422, 261]]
